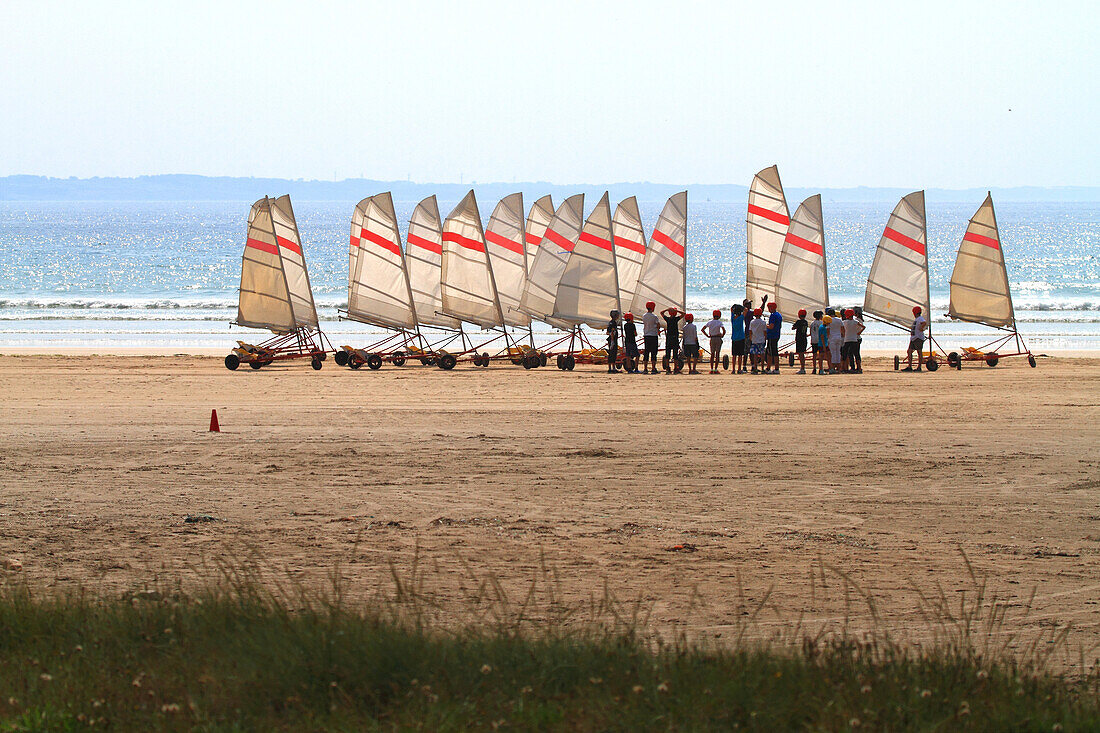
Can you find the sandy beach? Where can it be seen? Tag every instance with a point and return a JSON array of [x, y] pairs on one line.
[[676, 491]]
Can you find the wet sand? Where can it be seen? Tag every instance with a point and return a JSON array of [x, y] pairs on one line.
[[680, 492]]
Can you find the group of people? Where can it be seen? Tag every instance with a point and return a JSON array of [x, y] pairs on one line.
[[832, 339]]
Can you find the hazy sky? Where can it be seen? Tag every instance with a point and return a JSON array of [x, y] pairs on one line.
[[951, 94]]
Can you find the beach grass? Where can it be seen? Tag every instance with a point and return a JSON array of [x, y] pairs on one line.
[[245, 654]]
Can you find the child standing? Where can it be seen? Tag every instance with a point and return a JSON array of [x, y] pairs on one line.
[[817, 338], [630, 344], [716, 332], [737, 340], [775, 330], [651, 331], [672, 338], [836, 341], [801, 330], [691, 343], [758, 334]]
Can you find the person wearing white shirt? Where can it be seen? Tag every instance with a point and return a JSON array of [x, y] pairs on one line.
[[716, 332], [852, 329], [916, 339], [758, 335], [691, 343]]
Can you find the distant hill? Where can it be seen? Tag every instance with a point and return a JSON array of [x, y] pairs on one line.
[[178, 187]]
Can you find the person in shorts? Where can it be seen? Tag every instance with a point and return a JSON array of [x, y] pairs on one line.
[[817, 339], [758, 337], [672, 337], [651, 332], [916, 340], [859, 341], [826, 355], [852, 329], [716, 332], [737, 340], [748, 311], [836, 340], [630, 344], [801, 329], [774, 331], [691, 343]]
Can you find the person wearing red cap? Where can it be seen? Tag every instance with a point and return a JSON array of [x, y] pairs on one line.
[[672, 339], [691, 343], [651, 332], [716, 332], [801, 329], [630, 344], [775, 330], [852, 329], [916, 339], [758, 336]]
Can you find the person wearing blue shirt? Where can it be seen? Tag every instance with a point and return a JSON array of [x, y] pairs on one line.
[[775, 329], [737, 339]]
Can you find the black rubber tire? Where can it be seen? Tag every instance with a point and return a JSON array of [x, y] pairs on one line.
[[484, 359], [399, 358], [568, 362], [679, 368], [322, 355], [542, 358], [232, 362], [932, 364], [897, 362], [953, 359], [374, 362], [992, 360], [530, 361], [790, 360], [355, 364], [255, 364], [1031, 361], [726, 362], [559, 361], [447, 362], [341, 358], [316, 364]]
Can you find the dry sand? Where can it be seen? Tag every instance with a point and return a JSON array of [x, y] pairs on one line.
[[884, 476]]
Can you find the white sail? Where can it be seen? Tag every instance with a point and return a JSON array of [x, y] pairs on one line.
[[545, 272], [589, 288], [294, 263], [767, 222], [468, 290], [899, 274], [979, 282], [378, 287], [424, 262], [505, 243], [629, 238], [801, 280], [264, 300], [542, 211], [663, 278]]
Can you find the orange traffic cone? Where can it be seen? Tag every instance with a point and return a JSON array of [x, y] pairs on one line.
[[214, 422]]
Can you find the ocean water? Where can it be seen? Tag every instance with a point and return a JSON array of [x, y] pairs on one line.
[[135, 274]]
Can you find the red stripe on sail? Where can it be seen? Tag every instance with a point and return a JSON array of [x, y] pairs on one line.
[[381, 241], [502, 241], [979, 239], [895, 236], [596, 241], [805, 244], [769, 214], [354, 241], [675, 247], [271, 249], [288, 244], [426, 244], [559, 240], [630, 244], [463, 241], [532, 239]]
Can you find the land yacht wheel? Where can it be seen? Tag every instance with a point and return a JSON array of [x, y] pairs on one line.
[[341, 358], [568, 362], [447, 362], [399, 358], [316, 364], [932, 364], [232, 362], [953, 359], [992, 360], [374, 362], [1031, 360], [255, 364], [897, 362]]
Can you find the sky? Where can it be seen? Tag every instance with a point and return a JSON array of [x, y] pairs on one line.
[[919, 94]]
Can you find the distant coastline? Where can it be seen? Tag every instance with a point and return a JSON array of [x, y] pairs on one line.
[[182, 187]]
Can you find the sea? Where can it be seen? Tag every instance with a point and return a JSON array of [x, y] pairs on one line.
[[115, 275]]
